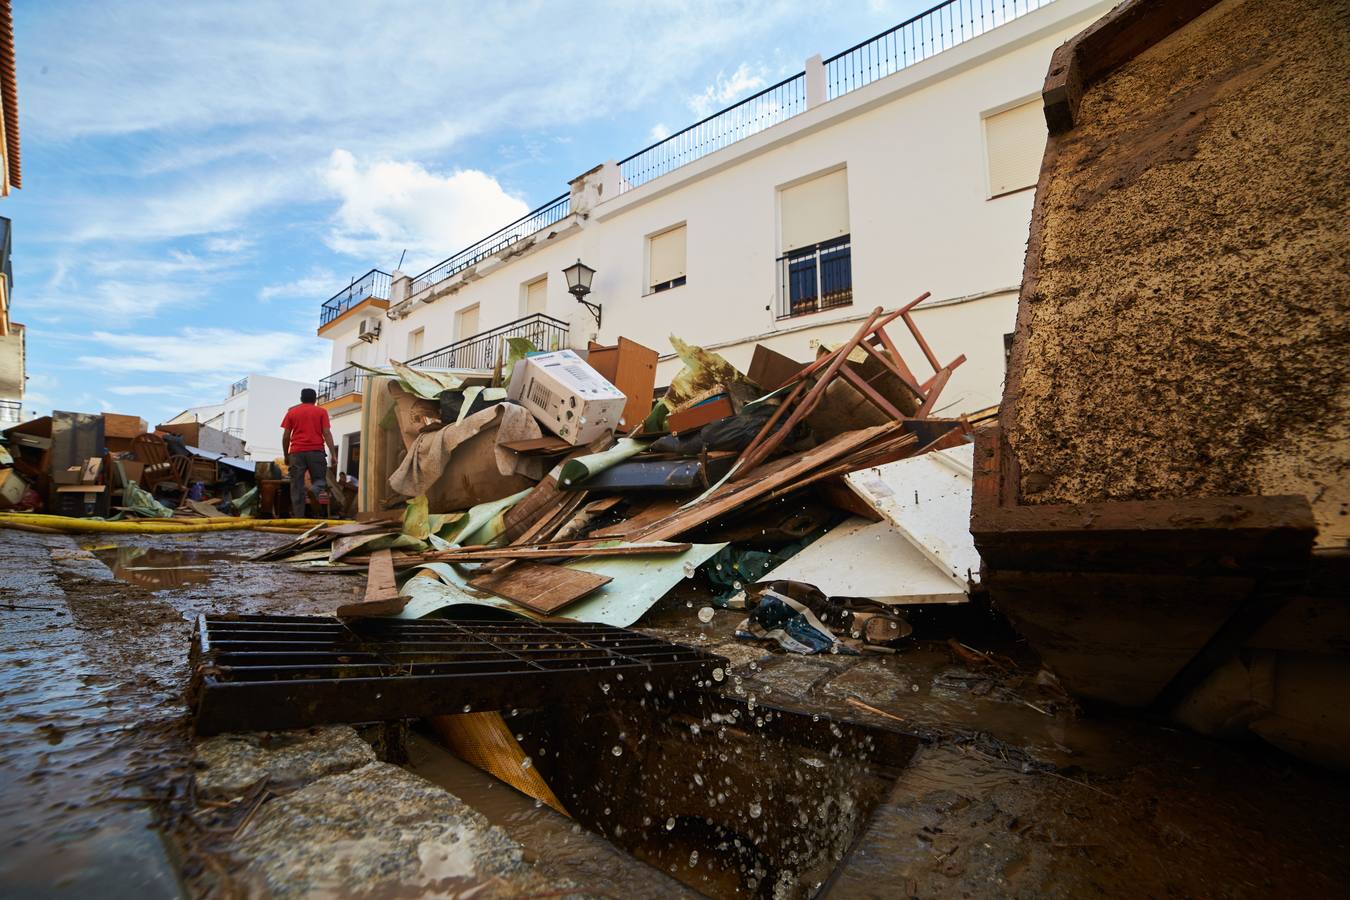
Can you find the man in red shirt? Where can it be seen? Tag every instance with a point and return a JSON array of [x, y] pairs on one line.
[[305, 431]]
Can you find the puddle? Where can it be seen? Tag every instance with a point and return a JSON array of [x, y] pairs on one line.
[[157, 570]]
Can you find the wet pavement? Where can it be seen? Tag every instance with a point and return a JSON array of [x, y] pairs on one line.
[[1012, 791]]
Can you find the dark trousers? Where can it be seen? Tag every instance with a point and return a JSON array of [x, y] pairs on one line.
[[315, 462]]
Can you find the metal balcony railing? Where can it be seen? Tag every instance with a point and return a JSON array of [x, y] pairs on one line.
[[11, 413], [373, 284], [350, 380], [481, 351], [239, 387], [916, 39], [554, 210], [939, 28], [755, 113], [815, 278]]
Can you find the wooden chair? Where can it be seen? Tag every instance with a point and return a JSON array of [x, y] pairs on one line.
[[160, 466]]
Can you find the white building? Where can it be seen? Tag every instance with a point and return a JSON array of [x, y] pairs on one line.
[[900, 166], [253, 412]]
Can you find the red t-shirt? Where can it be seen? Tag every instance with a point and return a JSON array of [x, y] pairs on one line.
[[307, 422]]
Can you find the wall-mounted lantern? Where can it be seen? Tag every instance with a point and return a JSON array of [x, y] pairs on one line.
[[579, 277]]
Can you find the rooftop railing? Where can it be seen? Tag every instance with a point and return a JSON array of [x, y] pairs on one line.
[[536, 220], [11, 412], [759, 111], [351, 380], [374, 283], [239, 387], [916, 39]]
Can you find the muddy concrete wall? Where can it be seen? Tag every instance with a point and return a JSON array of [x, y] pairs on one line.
[[1185, 326]]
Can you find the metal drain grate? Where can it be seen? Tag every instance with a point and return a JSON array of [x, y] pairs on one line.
[[263, 673]]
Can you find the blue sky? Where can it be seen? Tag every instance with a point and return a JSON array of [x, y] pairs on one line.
[[200, 176]]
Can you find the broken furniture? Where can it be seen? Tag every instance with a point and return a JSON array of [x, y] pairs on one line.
[[631, 368], [265, 673], [567, 396], [814, 380], [160, 466]]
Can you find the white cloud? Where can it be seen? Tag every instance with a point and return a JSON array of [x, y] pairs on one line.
[[211, 356], [231, 244], [659, 132], [388, 207], [147, 390], [318, 284], [725, 90]]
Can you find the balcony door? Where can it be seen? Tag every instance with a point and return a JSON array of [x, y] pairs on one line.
[[466, 322]]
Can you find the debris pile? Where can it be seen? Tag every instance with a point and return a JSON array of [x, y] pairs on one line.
[[544, 490], [74, 471]]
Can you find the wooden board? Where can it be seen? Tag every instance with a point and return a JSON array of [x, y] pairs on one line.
[[556, 552], [540, 587], [540, 446], [380, 583], [631, 368]]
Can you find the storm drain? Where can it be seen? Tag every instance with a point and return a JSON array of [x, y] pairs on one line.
[[265, 673]]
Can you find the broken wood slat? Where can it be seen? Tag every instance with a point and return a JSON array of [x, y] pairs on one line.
[[350, 528], [540, 587], [525, 553], [735, 494], [380, 583], [871, 393], [935, 386], [541, 446]]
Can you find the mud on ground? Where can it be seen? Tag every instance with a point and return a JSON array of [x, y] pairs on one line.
[[1013, 793]]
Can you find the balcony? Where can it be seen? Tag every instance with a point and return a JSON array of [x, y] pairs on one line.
[[816, 278], [239, 387], [481, 351], [374, 285], [553, 211], [11, 413], [477, 353], [350, 380]]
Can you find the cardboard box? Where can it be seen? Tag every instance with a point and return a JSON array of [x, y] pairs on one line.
[[12, 488], [567, 396], [119, 426]]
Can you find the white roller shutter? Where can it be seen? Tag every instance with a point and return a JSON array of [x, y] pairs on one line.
[[466, 322], [536, 296], [815, 210], [1015, 142], [666, 255]]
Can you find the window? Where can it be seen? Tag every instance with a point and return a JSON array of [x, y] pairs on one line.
[[665, 259], [466, 322], [816, 268], [415, 340], [1014, 142], [536, 296]]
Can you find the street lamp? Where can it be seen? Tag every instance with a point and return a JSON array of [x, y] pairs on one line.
[[579, 277]]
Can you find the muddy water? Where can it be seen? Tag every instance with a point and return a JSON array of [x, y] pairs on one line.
[[554, 842], [157, 570]]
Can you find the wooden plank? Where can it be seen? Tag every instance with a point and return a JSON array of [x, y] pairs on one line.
[[736, 494], [555, 552], [540, 446], [380, 583], [539, 587]]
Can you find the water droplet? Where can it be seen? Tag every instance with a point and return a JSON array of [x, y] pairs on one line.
[[718, 675], [693, 729], [698, 779], [705, 614], [618, 676], [606, 810], [814, 763], [693, 859], [514, 711], [526, 763], [670, 824], [604, 687], [755, 810], [467, 707], [520, 737], [689, 569], [617, 751]]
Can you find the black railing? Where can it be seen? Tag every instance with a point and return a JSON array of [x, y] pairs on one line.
[[351, 380], [239, 387], [815, 278], [11, 412], [916, 39], [759, 111], [553, 211], [481, 351], [374, 283]]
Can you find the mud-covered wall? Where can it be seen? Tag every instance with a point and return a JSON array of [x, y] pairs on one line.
[[1185, 318]]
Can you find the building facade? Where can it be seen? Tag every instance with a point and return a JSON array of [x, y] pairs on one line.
[[253, 412], [901, 166], [13, 351]]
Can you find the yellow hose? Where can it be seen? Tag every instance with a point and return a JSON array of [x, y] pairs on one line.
[[68, 525]]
